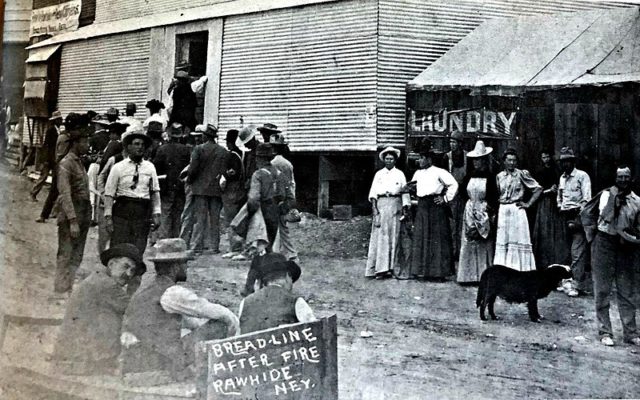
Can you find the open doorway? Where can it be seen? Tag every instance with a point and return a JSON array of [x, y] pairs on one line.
[[191, 57]]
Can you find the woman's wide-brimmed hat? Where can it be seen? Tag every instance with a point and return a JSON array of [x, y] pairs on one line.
[[480, 150], [169, 250], [389, 149], [124, 250], [274, 264]]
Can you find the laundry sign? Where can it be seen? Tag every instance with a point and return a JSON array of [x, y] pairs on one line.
[[476, 122], [56, 19]]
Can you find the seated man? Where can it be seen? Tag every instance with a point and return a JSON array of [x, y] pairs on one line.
[[89, 338], [152, 334], [273, 304]]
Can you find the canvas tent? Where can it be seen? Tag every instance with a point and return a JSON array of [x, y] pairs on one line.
[[539, 83]]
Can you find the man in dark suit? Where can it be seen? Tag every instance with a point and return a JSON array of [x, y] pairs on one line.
[[50, 138], [208, 162]]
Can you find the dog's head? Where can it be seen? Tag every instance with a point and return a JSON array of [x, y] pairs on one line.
[[558, 272]]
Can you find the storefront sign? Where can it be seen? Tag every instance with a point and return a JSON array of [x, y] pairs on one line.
[[477, 122], [53, 20], [291, 362]]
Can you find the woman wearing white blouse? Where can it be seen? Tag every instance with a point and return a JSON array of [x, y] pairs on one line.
[[388, 203], [432, 248]]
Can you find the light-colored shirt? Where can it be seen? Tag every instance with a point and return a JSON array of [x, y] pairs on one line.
[[389, 182], [574, 190], [134, 124], [511, 185], [121, 181], [285, 167], [195, 310], [627, 217], [156, 118], [434, 181]]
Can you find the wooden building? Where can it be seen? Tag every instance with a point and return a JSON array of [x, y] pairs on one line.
[[331, 73]]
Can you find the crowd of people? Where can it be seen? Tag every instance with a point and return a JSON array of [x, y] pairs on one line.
[[159, 188], [469, 217]]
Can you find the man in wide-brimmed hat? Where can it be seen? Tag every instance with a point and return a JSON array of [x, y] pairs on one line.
[[133, 185], [164, 321], [74, 207], [574, 192], [208, 162], [264, 192], [247, 136], [49, 146], [273, 304], [284, 242], [170, 159], [88, 342], [267, 130]]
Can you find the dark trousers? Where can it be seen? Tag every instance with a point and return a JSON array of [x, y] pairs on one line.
[[579, 252], [70, 251], [131, 222], [52, 197], [271, 216], [207, 214], [172, 207], [615, 262], [44, 174]]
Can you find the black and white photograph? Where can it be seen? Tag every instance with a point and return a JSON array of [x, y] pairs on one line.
[[319, 199]]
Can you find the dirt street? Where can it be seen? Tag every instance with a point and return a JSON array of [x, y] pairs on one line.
[[427, 342]]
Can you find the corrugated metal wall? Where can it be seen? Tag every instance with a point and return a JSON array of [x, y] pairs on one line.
[[414, 33], [310, 70], [111, 10], [105, 72]]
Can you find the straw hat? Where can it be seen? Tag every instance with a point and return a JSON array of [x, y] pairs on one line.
[[168, 250], [55, 115], [480, 150], [389, 149], [566, 153]]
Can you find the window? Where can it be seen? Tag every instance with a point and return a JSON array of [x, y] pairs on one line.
[[191, 53]]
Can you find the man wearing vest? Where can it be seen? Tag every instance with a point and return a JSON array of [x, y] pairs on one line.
[[284, 242], [274, 304], [164, 321], [611, 220], [132, 195]]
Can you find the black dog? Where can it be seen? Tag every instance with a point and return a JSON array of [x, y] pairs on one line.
[[518, 287]]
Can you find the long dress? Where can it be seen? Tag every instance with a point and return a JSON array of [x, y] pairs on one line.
[[477, 234], [385, 228], [549, 233], [432, 250], [513, 240]]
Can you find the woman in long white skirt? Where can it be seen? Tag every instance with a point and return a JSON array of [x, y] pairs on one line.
[[388, 204], [513, 240]]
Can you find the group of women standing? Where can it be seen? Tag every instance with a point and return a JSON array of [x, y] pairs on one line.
[[487, 211]]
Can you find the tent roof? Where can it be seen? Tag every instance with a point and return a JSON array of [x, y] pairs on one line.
[[508, 56]]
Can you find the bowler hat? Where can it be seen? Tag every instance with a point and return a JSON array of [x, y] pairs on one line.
[[480, 150], [247, 133], [232, 135], [566, 153], [177, 130], [457, 135], [55, 115], [168, 250], [269, 128], [389, 149], [274, 264], [265, 150], [128, 137], [154, 126], [124, 250]]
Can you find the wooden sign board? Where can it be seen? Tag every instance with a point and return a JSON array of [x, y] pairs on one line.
[[298, 361]]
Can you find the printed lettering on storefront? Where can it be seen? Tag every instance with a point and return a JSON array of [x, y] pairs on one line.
[[57, 19]]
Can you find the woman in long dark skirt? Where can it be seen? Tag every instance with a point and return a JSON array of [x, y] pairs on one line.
[[549, 233], [432, 248]]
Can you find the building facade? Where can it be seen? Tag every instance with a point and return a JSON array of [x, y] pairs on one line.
[[331, 74]]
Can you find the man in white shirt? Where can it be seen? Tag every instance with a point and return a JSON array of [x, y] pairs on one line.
[[574, 192], [129, 119], [132, 195]]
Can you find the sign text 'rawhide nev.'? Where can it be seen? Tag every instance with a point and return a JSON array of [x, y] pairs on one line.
[[478, 121], [291, 362], [56, 19]]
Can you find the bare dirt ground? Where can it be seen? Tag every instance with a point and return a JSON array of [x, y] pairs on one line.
[[427, 342]]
